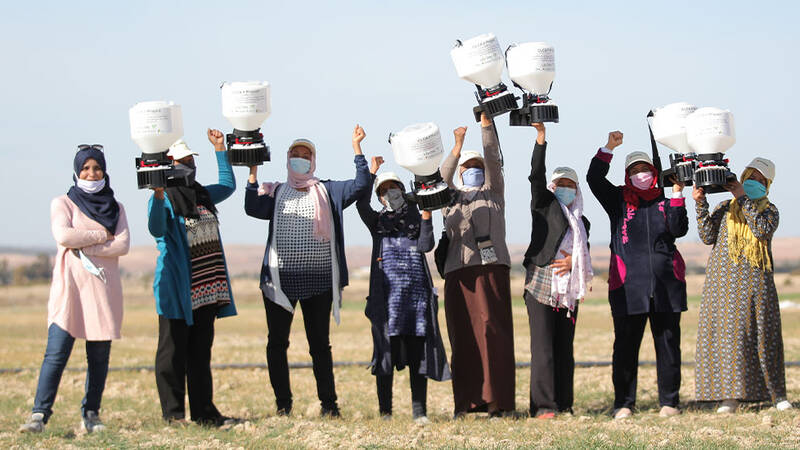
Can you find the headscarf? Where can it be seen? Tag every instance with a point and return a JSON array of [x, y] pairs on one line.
[[404, 220], [100, 206], [568, 288], [322, 208], [633, 195], [741, 238], [184, 199]]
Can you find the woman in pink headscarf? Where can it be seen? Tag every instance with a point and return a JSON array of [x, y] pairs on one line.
[[304, 261]]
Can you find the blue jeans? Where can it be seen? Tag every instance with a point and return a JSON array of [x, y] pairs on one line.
[[59, 347]]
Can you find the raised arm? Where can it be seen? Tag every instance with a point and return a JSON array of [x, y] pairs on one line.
[[368, 215], [448, 168], [68, 236], [707, 224], [538, 176], [119, 245], [491, 155], [227, 181], [349, 191], [604, 191], [258, 206], [157, 214], [426, 241]]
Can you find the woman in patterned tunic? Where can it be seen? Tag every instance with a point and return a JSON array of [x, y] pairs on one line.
[[739, 344], [191, 285], [402, 305], [304, 262]]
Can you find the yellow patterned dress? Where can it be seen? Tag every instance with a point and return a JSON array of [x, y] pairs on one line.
[[739, 343]]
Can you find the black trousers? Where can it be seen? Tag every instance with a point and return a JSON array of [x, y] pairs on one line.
[[183, 359], [628, 333], [552, 358], [413, 346], [317, 320]]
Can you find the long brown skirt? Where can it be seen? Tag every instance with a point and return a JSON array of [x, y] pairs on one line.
[[477, 305]]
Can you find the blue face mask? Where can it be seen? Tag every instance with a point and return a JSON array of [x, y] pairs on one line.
[[754, 190], [565, 195], [472, 177], [300, 165]]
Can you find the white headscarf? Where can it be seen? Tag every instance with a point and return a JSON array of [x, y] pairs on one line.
[[568, 288]]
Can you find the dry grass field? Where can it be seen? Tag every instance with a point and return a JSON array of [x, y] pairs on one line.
[[132, 413]]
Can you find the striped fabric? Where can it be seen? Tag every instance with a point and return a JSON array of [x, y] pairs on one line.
[[209, 279]]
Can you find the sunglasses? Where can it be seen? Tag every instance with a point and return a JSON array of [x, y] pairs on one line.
[[90, 146]]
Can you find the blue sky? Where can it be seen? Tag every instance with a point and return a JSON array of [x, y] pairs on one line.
[[72, 71]]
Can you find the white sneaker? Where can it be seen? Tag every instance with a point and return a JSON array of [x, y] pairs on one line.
[[622, 413], [728, 406], [35, 424], [783, 405], [422, 421], [91, 423], [668, 411]]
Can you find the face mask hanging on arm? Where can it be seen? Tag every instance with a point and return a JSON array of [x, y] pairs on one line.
[[99, 272]]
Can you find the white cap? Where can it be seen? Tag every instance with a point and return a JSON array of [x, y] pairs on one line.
[[564, 172], [469, 154], [304, 143], [765, 166], [634, 157], [384, 177], [180, 150]]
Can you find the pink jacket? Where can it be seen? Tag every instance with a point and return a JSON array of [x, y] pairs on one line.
[[81, 303]]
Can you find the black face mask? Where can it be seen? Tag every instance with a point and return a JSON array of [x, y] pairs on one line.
[[189, 170]]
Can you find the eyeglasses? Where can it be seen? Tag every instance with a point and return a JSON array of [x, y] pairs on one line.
[[90, 146]]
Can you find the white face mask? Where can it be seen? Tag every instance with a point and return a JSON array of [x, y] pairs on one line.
[[393, 199], [91, 187], [99, 272]]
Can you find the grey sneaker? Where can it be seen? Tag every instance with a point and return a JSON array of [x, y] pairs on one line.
[[35, 424], [422, 421], [91, 423]]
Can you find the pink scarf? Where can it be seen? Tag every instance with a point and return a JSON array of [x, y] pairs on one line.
[[322, 209]]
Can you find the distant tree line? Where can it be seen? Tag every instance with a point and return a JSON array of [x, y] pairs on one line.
[[39, 271]]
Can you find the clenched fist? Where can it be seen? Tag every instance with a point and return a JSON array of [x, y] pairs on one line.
[[217, 139], [614, 140]]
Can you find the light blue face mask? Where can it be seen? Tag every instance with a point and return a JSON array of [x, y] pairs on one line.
[[300, 165], [91, 268], [754, 190], [472, 177], [565, 195]]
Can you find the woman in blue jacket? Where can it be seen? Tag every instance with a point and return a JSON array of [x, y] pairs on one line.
[[304, 262], [402, 305], [647, 274], [191, 285]]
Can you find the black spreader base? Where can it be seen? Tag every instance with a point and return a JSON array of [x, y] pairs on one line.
[[156, 170], [714, 181], [432, 202], [527, 115], [254, 156], [495, 107]]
